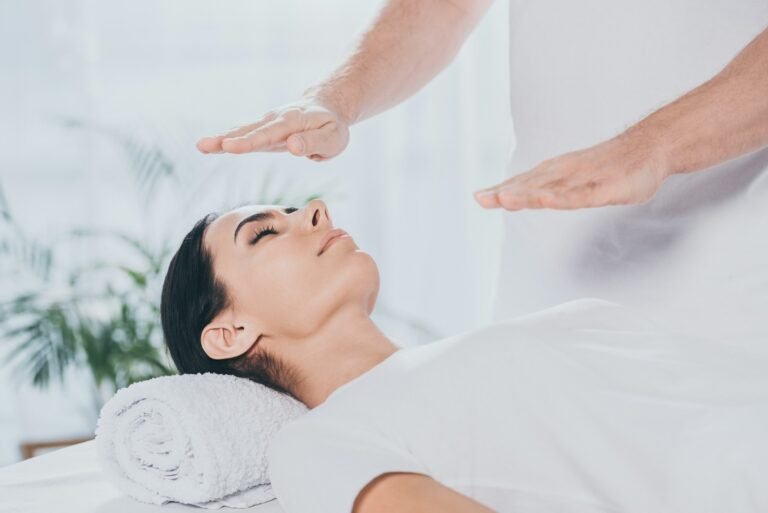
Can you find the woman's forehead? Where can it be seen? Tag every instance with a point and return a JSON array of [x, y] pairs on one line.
[[247, 210], [226, 223], [237, 214]]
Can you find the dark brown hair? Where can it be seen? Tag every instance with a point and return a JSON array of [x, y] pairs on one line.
[[191, 298]]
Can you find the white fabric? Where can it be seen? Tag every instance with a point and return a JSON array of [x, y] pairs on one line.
[[71, 480], [585, 407], [582, 72], [197, 439]]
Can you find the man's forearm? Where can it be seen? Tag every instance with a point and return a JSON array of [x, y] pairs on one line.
[[408, 43], [723, 118]]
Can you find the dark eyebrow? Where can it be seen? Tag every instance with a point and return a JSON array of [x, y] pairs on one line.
[[259, 216]]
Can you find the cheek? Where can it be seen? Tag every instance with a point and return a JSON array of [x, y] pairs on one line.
[[300, 292], [283, 287]]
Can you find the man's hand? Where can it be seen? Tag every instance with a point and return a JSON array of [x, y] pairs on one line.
[[620, 171], [721, 119], [304, 128], [407, 44]]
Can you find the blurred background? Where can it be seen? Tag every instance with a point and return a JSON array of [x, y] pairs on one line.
[[101, 103]]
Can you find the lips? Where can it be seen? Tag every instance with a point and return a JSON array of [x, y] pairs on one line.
[[336, 232]]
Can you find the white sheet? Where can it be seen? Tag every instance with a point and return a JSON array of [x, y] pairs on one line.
[[71, 480]]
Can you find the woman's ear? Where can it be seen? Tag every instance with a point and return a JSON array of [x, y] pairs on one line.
[[222, 338]]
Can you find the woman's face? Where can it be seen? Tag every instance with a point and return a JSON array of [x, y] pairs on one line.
[[280, 284]]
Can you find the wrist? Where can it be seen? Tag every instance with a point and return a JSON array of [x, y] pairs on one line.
[[648, 142], [339, 102]]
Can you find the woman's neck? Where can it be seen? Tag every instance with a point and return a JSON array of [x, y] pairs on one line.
[[348, 345]]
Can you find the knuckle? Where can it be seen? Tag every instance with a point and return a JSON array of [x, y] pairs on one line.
[[266, 142], [533, 201], [292, 114], [548, 201]]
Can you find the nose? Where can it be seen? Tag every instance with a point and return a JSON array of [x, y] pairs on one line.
[[317, 214]]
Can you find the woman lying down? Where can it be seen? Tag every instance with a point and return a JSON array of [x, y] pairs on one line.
[[584, 407]]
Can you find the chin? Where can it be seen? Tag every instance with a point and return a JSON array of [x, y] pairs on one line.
[[376, 282], [372, 302], [364, 278]]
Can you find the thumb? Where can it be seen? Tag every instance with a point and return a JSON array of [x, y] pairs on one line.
[[325, 141], [296, 144]]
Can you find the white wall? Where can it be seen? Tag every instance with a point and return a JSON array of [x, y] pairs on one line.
[[172, 71]]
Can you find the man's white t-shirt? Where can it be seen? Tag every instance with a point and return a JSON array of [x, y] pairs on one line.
[[582, 72], [583, 408]]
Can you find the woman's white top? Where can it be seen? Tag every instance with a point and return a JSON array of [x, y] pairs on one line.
[[583, 408], [582, 72]]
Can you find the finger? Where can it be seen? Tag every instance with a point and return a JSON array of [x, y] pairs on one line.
[[487, 199], [324, 141], [263, 137], [278, 148], [489, 191], [544, 199], [511, 199], [212, 144], [520, 181], [520, 197], [296, 144]]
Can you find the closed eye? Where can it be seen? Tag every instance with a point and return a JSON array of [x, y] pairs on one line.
[[261, 233]]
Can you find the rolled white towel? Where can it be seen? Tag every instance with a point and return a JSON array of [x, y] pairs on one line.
[[197, 439]]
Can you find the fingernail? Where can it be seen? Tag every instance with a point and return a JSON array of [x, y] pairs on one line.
[[300, 142], [484, 193]]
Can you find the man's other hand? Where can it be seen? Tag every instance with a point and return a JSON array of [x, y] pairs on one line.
[[624, 170]]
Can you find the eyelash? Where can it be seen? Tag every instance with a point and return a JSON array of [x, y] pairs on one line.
[[261, 233]]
